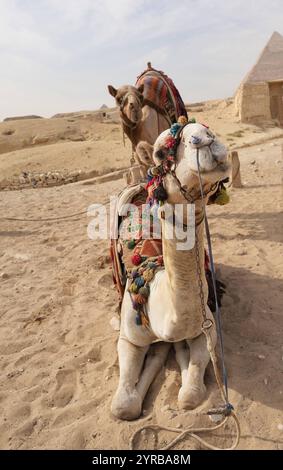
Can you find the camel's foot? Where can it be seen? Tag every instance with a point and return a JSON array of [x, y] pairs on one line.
[[191, 397], [126, 404]]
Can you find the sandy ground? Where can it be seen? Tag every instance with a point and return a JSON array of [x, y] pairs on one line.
[[58, 351], [86, 142]]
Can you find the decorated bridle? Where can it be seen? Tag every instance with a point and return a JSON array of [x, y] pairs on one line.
[[168, 157], [125, 119], [144, 102]]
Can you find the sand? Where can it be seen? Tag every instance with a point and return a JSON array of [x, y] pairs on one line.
[[57, 348]]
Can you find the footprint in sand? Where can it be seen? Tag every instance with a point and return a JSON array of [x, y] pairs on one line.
[[33, 393], [105, 281], [103, 261], [22, 411], [66, 385]]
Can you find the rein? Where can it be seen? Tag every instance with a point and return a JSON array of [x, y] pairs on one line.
[[207, 324]]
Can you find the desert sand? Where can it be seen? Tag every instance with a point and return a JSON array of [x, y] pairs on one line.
[[57, 348]]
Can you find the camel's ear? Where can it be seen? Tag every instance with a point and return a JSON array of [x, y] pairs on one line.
[[141, 88], [112, 90], [144, 152]]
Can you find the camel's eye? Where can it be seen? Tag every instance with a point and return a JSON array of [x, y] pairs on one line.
[[209, 134]]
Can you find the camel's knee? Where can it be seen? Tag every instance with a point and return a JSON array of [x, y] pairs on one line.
[[191, 396], [126, 404]]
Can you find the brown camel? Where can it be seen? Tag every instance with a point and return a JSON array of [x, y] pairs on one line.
[[148, 108]]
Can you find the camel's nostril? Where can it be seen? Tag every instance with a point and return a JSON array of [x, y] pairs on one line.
[[195, 140]]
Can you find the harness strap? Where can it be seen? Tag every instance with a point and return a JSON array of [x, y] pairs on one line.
[[224, 392]]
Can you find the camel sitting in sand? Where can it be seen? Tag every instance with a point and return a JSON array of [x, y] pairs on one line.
[[174, 309]]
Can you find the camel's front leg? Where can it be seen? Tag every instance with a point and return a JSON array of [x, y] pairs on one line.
[[155, 359], [192, 392], [127, 402]]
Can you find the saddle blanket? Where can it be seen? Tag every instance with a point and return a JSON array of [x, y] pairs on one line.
[[161, 90]]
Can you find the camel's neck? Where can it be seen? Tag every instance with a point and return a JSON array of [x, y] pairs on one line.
[[148, 129], [182, 277], [133, 133]]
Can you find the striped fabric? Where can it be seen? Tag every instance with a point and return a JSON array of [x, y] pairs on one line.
[[161, 90]]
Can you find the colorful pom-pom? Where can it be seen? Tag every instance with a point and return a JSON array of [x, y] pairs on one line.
[[138, 319], [139, 281], [133, 288], [152, 265], [182, 120], [160, 193], [148, 275], [140, 299], [155, 170], [144, 291], [134, 273], [136, 259], [174, 129], [131, 244], [222, 198], [170, 142], [150, 183], [160, 260]]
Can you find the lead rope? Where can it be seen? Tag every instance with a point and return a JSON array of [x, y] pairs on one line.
[[227, 410], [207, 324]]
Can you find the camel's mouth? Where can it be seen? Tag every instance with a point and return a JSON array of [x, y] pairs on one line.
[[221, 167], [135, 114], [219, 172], [134, 117]]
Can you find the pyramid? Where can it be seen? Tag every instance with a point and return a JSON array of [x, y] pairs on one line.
[[259, 98], [270, 63]]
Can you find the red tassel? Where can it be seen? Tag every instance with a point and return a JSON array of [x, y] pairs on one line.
[[136, 259], [150, 183], [140, 299]]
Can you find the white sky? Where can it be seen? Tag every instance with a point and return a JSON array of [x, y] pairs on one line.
[[59, 55]]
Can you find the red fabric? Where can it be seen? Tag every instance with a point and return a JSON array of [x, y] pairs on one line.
[[156, 89]]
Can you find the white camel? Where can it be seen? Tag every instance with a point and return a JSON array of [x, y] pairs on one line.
[[174, 308]]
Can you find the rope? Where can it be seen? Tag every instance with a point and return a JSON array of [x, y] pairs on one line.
[[50, 219], [217, 309], [191, 432]]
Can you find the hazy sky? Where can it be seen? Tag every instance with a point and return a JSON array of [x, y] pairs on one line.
[[59, 55]]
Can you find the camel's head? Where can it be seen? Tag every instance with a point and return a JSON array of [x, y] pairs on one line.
[[129, 99], [212, 154]]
